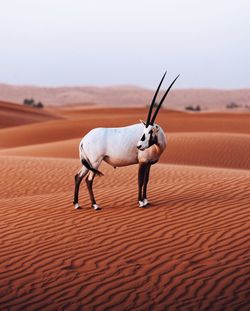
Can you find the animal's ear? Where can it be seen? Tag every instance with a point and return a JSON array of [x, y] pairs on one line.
[[143, 122]]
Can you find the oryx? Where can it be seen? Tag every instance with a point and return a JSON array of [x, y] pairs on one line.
[[141, 143]]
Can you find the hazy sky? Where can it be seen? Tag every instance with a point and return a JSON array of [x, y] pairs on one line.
[[110, 42]]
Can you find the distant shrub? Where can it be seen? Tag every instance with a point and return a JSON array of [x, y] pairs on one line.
[[232, 105], [39, 105], [29, 102], [191, 108], [32, 103]]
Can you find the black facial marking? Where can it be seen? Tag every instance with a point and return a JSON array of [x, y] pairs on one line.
[[143, 137], [152, 140]]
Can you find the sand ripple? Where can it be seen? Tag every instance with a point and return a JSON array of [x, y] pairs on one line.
[[189, 251]]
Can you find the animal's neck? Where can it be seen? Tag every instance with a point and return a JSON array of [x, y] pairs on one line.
[[159, 148], [161, 142]]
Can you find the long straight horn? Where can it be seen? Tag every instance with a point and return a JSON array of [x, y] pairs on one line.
[[153, 101], [162, 100]]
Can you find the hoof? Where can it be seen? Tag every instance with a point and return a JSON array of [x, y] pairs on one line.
[[140, 203], [144, 204], [96, 207], [77, 206]]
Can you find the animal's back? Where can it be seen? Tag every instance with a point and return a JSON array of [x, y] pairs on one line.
[[116, 146]]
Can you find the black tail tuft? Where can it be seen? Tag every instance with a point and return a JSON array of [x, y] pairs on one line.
[[89, 167]]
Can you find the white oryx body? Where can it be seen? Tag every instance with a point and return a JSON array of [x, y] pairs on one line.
[[118, 146], [141, 143]]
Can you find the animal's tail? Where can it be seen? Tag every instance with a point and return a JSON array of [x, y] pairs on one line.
[[89, 167]]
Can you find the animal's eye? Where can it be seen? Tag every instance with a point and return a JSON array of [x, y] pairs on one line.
[[143, 137]]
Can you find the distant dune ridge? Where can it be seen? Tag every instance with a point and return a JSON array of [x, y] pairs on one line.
[[208, 99], [13, 114], [189, 251]]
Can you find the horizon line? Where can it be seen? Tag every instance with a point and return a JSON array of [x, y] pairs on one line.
[[125, 85]]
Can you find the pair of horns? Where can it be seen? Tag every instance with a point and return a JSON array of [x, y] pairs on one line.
[[160, 103]]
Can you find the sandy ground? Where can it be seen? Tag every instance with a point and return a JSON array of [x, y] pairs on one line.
[[189, 251], [207, 99]]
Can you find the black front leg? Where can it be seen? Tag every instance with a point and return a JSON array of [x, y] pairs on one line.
[[141, 173], [145, 183]]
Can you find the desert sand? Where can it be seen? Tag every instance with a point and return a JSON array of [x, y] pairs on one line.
[[189, 251], [127, 95]]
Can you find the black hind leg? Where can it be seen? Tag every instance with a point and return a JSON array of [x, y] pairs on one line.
[[78, 180], [89, 182]]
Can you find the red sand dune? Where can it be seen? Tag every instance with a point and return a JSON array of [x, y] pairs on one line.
[[218, 150], [189, 251], [14, 114], [80, 121]]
